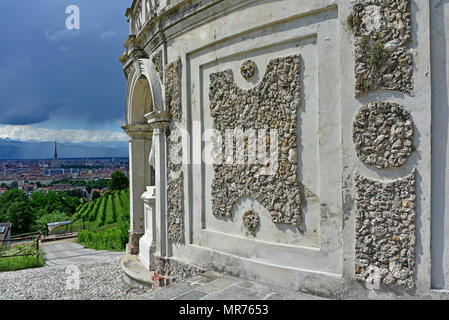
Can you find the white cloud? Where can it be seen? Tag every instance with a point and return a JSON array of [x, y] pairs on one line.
[[27, 133], [108, 35], [62, 34]]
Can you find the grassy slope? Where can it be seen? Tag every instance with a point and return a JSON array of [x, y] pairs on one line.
[[24, 262], [104, 222]]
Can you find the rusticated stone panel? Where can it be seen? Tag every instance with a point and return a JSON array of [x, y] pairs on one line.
[[248, 69], [382, 30], [175, 188], [133, 243], [251, 221], [176, 269], [176, 209], [175, 176], [158, 65], [272, 104], [385, 230], [383, 134], [173, 89]]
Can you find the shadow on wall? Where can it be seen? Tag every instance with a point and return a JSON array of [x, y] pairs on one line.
[[440, 117]]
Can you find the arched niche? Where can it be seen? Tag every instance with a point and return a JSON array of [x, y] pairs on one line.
[[144, 93], [141, 101]]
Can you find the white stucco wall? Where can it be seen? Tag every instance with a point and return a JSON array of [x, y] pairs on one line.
[[318, 256]]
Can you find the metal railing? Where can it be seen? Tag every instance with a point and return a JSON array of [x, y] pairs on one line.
[[20, 246]]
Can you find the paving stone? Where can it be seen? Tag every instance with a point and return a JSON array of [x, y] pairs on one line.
[[67, 252], [234, 292], [192, 295], [292, 296], [209, 276], [217, 284], [171, 291]]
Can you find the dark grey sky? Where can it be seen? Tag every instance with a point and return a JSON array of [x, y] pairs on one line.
[[54, 79]]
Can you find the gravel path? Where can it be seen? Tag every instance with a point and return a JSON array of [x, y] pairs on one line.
[[97, 281], [73, 272]]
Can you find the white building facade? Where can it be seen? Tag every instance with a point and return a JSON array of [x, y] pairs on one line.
[[328, 125]]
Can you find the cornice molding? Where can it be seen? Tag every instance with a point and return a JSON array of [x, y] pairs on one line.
[[138, 131]]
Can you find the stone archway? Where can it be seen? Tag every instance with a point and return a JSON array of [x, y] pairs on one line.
[[144, 95], [141, 101]]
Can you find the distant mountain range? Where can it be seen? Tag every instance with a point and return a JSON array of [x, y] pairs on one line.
[[11, 149]]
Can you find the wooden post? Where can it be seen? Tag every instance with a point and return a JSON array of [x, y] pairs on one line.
[[37, 247]]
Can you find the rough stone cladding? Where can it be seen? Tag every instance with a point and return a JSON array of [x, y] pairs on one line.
[[383, 134], [251, 221], [248, 69], [382, 30], [173, 89], [385, 231], [134, 239], [176, 269], [175, 176], [157, 62], [272, 104]]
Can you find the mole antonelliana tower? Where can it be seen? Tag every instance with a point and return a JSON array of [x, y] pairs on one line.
[[55, 163]]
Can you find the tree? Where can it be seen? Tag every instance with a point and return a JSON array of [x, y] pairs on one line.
[[76, 193], [14, 185], [15, 208], [118, 181], [21, 215], [96, 184], [13, 195], [24, 211], [41, 222], [95, 195], [54, 201], [71, 203]]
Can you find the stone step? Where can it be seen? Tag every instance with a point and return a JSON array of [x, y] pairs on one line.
[[135, 274]]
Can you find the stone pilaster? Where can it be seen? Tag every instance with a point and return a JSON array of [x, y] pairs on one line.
[[140, 177], [160, 122]]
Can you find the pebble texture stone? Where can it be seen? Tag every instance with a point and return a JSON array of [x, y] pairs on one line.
[[385, 230], [173, 89], [158, 65], [272, 104], [175, 176], [134, 239], [251, 221], [175, 269], [175, 191], [383, 134], [382, 30], [248, 69], [97, 281]]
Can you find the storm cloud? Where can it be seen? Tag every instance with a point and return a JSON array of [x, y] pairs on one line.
[[49, 73]]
